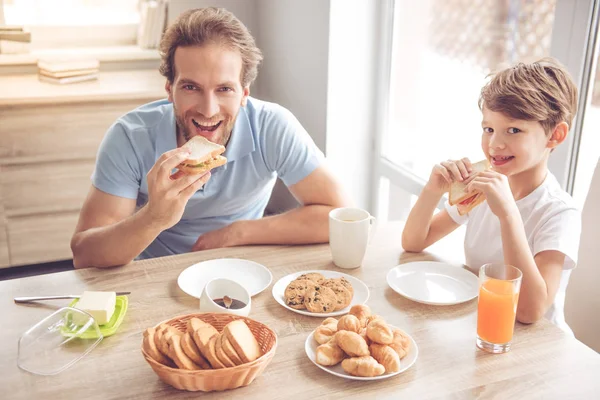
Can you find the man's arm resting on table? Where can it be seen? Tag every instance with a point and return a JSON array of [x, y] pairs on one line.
[[110, 232], [318, 193]]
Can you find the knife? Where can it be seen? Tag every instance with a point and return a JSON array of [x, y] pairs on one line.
[[69, 296]]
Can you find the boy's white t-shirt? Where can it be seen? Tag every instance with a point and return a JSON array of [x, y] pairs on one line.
[[551, 221]]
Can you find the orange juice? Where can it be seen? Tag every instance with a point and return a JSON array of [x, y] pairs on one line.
[[496, 311]]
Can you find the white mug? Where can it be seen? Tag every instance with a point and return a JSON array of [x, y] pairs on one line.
[[219, 287], [349, 235]]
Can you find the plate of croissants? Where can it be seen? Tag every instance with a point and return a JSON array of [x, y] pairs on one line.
[[361, 346]]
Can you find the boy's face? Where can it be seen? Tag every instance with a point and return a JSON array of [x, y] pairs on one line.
[[207, 92], [513, 146]]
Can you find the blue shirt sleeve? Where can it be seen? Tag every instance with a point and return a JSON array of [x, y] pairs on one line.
[[289, 149], [117, 169]]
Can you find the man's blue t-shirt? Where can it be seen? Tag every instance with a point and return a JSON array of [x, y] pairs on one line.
[[267, 142]]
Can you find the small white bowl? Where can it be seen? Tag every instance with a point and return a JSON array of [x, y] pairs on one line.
[[219, 287]]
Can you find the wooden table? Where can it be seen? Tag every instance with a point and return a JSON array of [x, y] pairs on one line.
[[544, 362]]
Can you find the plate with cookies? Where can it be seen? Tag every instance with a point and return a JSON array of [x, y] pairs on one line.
[[320, 293], [361, 346]]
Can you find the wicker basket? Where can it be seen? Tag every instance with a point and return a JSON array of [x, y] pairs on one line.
[[217, 379]]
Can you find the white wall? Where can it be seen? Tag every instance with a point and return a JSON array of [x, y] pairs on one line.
[[351, 100], [245, 10], [582, 303], [293, 36]]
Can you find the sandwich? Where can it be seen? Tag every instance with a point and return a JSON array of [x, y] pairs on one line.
[[205, 155], [458, 195]]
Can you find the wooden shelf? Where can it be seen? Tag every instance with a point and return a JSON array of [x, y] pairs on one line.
[[102, 54], [19, 90]]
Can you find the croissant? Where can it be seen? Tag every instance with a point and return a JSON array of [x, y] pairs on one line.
[[361, 312], [326, 330], [349, 323], [352, 343], [385, 356], [363, 366], [363, 334], [379, 332], [372, 318], [330, 354], [400, 343]]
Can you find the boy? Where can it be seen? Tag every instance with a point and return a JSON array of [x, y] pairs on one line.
[[527, 221]]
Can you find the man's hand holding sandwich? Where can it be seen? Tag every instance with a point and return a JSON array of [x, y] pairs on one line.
[[169, 193]]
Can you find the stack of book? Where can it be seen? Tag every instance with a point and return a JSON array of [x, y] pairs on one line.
[[153, 19], [14, 39], [63, 71]]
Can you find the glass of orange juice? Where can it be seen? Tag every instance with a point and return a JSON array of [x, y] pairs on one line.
[[499, 287]]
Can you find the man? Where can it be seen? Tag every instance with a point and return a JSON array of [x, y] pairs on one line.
[[138, 207]]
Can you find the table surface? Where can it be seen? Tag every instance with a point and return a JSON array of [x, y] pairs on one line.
[[543, 363]]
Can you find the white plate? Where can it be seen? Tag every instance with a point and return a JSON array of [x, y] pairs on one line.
[[310, 346], [253, 276], [432, 282], [361, 292]]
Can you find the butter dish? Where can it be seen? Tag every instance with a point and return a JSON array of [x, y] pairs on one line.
[[107, 329]]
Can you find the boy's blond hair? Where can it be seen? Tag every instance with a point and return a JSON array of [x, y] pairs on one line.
[[210, 25], [541, 91]]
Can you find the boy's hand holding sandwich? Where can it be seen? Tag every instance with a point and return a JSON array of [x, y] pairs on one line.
[[463, 195], [446, 173], [495, 189]]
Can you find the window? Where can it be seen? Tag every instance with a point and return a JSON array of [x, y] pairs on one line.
[[75, 23], [441, 52]]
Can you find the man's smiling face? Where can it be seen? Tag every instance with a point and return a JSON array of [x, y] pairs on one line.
[[207, 92]]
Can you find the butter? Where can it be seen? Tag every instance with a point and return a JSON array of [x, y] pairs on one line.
[[101, 305]]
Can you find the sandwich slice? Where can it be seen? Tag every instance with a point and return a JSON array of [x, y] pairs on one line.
[[458, 195], [205, 155]]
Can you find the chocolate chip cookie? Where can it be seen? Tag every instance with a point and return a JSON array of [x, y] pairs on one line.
[[313, 276], [342, 294], [295, 291], [320, 299]]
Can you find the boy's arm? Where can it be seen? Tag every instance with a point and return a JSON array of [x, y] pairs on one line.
[[422, 228], [541, 274]]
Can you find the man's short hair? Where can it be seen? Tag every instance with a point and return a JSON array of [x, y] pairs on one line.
[[210, 25]]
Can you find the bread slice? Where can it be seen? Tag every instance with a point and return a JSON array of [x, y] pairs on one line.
[[465, 208], [202, 337], [191, 350], [166, 338], [196, 323], [242, 340], [459, 196], [149, 346], [211, 355], [457, 192], [227, 362], [178, 355], [200, 168], [205, 155], [158, 337], [230, 351]]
